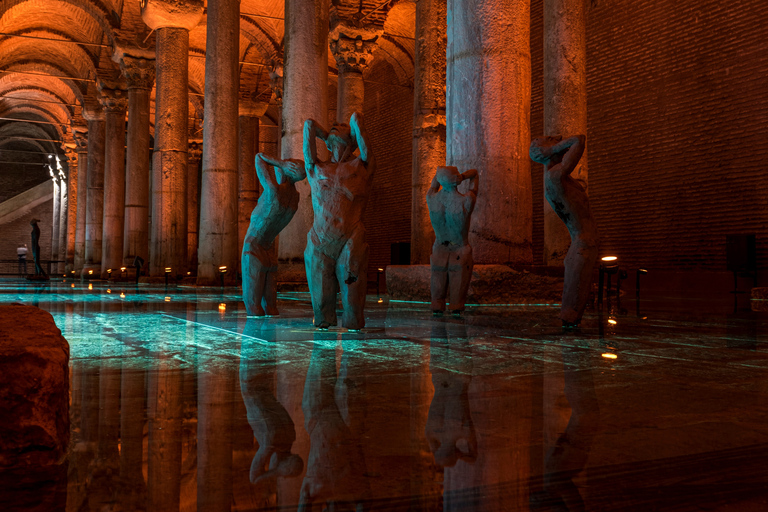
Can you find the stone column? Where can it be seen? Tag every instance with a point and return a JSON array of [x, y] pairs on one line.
[[139, 73], [195, 153], [248, 182], [72, 205], [352, 47], [428, 120], [94, 209], [565, 100], [114, 99], [81, 138], [172, 22], [305, 95], [56, 214], [62, 221], [488, 105], [217, 244]]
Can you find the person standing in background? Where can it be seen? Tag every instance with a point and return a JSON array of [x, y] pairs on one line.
[[21, 251]]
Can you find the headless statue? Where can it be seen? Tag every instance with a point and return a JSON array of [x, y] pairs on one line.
[[569, 200], [450, 212], [36, 248], [337, 254], [276, 207]]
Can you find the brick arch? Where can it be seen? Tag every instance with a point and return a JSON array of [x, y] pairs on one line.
[[29, 96], [58, 90], [270, 50], [74, 59], [18, 130], [38, 113], [56, 69], [63, 16]]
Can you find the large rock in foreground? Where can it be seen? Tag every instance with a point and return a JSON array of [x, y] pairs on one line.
[[34, 389], [491, 284]]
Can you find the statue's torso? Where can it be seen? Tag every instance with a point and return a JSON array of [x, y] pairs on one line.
[[275, 209], [570, 202], [450, 213]]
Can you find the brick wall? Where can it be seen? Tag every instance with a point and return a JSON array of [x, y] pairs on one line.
[[678, 129], [16, 178], [389, 120], [537, 125], [19, 232]]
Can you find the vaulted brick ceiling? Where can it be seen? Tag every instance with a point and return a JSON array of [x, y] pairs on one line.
[[52, 51]]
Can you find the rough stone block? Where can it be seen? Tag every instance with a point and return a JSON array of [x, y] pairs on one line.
[[491, 284], [34, 388]]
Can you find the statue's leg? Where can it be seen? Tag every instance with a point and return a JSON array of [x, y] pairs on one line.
[[579, 265], [269, 300], [459, 275], [322, 283], [438, 282], [352, 274], [254, 264]]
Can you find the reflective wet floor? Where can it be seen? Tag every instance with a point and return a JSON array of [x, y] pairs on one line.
[[181, 402]]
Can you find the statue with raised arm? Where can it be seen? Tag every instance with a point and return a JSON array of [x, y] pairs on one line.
[[277, 205], [337, 254], [569, 200], [450, 212]]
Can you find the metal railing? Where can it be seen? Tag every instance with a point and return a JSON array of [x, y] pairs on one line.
[[11, 267]]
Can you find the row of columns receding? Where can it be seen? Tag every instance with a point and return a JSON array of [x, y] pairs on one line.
[[472, 89]]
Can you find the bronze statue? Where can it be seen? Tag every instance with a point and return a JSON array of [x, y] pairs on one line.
[[569, 200], [39, 272], [277, 205], [450, 212], [336, 256]]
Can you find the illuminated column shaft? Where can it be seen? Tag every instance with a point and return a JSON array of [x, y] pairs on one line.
[[195, 153], [80, 195], [115, 101], [565, 100], [94, 210], [488, 104], [352, 48], [62, 222], [72, 177], [217, 244], [55, 218], [428, 120]]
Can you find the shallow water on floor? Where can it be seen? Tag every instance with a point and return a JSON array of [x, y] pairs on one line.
[[181, 402]]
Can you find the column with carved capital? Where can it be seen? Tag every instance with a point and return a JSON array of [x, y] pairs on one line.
[[63, 207], [55, 218], [565, 101], [72, 191], [488, 111], [94, 210], [305, 95], [248, 182], [81, 139], [172, 22], [217, 245], [195, 153], [139, 74], [352, 47], [114, 99], [428, 120]]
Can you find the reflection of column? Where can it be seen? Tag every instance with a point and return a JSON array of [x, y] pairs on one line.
[[488, 107], [172, 22], [195, 152], [352, 47], [248, 182], [428, 120], [114, 99], [305, 95], [55, 218], [132, 414], [81, 138], [217, 243], [72, 191], [62, 222], [565, 100], [94, 209], [139, 74]]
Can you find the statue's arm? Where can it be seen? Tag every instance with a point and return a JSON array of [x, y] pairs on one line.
[[574, 148], [474, 184], [361, 137], [312, 130], [434, 187], [265, 170]]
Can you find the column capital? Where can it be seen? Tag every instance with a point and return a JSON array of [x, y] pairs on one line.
[[276, 81], [139, 72], [93, 112], [353, 47], [71, 154], [248, 108], [184, 14], [195, 150], [113, 97], [80, 136]]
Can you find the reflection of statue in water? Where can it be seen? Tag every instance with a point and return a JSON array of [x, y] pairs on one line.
[[36, 247], [337, 255], [451, 261], [450, 429], [272, 425], [277, 205], [569, 200], [336, 466], [568, 456]]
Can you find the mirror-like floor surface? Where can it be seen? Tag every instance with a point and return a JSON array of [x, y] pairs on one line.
[[181, 402]]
